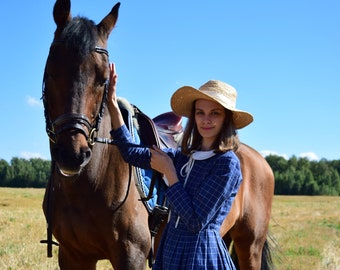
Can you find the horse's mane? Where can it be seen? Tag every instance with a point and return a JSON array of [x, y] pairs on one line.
[[81, 34]]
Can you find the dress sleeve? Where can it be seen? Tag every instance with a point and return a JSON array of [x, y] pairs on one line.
[[218, 188], [134, 154]]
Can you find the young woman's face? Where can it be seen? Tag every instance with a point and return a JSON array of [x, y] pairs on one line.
[[209, 118]]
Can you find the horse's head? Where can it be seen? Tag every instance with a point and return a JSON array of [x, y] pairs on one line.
[[75, 86]]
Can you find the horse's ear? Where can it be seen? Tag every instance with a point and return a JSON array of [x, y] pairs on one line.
[[62, 13], [107, 24]]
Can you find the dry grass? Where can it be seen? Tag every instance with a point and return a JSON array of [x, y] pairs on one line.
[[307, 230]]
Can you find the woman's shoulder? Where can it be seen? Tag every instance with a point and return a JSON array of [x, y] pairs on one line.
[[228, 157]]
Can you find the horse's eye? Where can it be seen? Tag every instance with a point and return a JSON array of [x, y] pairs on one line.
[[101, 82], [104, 81]]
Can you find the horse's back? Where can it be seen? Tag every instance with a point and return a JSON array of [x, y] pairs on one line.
[[257, 175]]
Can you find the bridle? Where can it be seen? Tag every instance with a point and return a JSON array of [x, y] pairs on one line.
[[76, 121]]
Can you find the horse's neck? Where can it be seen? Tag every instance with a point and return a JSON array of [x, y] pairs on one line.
[[107, 169], [102, 154]]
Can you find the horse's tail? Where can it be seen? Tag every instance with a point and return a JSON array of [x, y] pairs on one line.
[[267, 258], [271, 250]]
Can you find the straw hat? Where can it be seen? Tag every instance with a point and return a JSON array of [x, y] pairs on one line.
[[220, 92]]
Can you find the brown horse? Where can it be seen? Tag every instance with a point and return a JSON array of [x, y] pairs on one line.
[[91, 206]]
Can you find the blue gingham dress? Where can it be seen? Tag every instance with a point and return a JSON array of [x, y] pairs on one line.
[[198, 205]]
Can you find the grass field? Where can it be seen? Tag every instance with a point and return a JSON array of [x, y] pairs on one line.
[[306, 230]]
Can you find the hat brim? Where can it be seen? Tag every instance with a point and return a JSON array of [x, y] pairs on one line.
[[182, 101]]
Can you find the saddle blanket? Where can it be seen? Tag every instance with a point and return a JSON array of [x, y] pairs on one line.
[[143, 182]]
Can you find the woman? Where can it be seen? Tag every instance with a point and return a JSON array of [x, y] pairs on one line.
[[203, 175]]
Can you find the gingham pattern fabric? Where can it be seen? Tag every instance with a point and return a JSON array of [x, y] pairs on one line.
[[202, 206]]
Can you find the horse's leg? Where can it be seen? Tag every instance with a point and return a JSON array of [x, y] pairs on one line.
[[227, 240], [132, 237], [248, 251], [68, 260], [129, 256]]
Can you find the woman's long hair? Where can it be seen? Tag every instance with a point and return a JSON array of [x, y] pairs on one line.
[[227, 140]]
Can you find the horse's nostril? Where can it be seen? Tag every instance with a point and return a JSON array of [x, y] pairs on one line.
[[70, 159], [87, 154]]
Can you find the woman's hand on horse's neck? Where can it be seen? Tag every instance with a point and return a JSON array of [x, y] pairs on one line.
[[116, 116]]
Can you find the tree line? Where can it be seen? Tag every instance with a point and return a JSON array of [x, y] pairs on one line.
[[293, 176], [300, 176], [21, 172]]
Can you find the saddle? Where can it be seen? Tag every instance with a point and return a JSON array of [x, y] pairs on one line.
[[162, 131]]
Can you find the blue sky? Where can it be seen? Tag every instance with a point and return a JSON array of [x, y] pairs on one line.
[[283, 57]]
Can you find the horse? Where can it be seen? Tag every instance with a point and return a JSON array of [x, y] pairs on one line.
[[90, 204]]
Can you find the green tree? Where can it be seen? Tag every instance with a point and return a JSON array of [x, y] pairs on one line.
[[5, 172], [42, 171], [336, 165], [23, 172], [310, 186], [277, 163], [303, 164], [293, 162]]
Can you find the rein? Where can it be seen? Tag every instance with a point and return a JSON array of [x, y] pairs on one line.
[[76, 121]]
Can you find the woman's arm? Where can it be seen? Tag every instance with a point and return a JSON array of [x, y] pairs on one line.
[[132, 153], [137, 156], [219, 186]]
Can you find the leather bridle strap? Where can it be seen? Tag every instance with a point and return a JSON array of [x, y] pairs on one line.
[[76, 120]]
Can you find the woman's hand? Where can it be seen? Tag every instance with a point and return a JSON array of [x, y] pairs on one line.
[[116, 116], [162, 163], [112, 98]]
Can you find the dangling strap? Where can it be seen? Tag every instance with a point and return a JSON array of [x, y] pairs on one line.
[[49, 241]]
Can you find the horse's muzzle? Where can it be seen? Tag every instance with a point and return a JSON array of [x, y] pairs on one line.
[[71, 154]]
